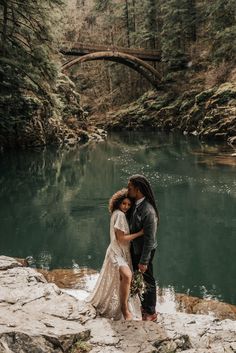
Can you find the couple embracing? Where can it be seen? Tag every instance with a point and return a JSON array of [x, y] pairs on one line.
[[133, 226]]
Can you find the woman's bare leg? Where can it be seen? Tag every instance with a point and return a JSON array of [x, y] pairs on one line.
[[125, 281]]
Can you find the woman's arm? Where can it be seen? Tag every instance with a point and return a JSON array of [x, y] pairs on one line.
[[126, 238]]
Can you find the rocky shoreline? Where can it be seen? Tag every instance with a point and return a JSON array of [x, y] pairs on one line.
[[37, 316], [76, 281], [209, 114]]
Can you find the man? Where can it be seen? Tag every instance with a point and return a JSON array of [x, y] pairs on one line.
[[145, 215]]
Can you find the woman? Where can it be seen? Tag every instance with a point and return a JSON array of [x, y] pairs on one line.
[[110, 296]]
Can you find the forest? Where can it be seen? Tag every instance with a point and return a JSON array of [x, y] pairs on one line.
[[40, 104]]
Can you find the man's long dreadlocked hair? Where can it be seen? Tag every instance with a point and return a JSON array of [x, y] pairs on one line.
[[144, 186]]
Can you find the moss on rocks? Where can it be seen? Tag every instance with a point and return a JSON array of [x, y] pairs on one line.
[[29, 121], [204, 96], [211, 114]]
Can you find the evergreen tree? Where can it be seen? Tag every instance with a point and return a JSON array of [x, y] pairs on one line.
[[27, 72], [127, 21], [142, 29], [151, 23], [110, 13], [191, 20], [221, 15], [172, 43], [178, 29]]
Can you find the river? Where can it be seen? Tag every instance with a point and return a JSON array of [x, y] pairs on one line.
[[53, 207]]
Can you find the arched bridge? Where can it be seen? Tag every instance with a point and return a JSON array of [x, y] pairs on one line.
[[134, 58]]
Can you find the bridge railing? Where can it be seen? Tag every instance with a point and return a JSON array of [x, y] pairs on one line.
[[79, 49]]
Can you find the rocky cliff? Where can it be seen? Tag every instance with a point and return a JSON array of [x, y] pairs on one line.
[[209, 114]]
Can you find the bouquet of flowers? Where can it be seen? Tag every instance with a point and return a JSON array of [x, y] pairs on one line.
[[138, 286]]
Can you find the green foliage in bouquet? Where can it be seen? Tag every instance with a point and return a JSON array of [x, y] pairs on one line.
[[138, 285]]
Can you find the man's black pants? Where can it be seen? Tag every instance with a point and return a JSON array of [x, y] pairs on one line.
[[150, 297]]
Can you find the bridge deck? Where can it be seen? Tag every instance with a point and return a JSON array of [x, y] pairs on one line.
[[80, 49]]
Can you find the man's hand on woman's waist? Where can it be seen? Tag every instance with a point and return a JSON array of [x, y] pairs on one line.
[[142, 268]]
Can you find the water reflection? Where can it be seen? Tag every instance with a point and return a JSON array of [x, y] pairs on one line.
[[53, 207]]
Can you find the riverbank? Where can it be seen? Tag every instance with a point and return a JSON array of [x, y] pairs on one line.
[[209, 114], [79, 282], [32, 122], [35, 313]]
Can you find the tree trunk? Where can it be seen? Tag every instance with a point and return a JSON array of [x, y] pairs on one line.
[[134, 17], [152, 23], [192, 16], [4, 29], [127, 22]]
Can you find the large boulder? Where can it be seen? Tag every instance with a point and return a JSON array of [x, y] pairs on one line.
[[36, 316]]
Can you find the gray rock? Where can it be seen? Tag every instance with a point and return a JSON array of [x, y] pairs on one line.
[[8, 262], [38, 317], [96, 137]]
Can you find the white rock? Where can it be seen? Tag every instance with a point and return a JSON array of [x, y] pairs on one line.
[[34, 313]]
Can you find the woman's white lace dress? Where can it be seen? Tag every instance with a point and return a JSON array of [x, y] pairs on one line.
[[105, 296]]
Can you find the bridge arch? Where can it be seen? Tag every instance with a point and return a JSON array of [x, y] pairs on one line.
[[145, 69]]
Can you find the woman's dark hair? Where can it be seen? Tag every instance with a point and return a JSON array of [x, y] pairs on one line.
[[117, 198], [140, 182]]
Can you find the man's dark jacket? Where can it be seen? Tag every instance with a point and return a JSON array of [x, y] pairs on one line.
[[144, 216]]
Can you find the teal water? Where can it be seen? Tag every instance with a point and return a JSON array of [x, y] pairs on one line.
[[53, 207]]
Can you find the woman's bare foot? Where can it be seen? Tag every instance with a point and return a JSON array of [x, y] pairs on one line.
[[128, 316]]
